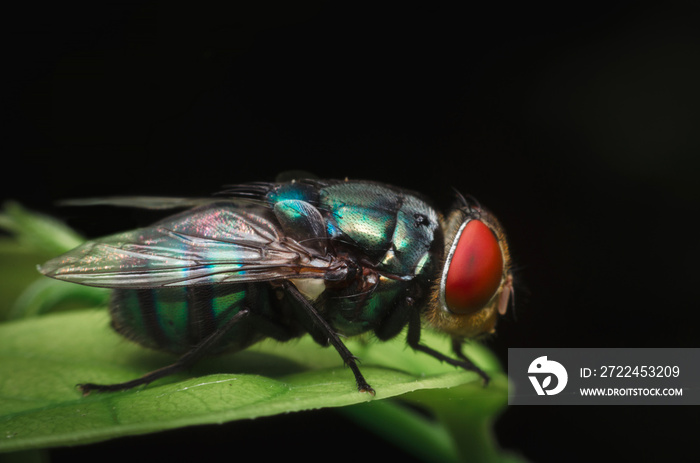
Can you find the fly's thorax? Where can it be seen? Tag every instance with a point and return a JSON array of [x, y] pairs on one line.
[[475, 281], [390, 227], [370, 303]]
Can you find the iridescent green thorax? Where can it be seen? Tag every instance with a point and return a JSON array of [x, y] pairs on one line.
[[392, 228], [393, 233], [395, 228]]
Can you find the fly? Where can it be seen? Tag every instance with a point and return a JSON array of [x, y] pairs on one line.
[[330, 258]]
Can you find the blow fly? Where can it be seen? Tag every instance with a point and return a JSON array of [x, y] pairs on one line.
[[330, 258]]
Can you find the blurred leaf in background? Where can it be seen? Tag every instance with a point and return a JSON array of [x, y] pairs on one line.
[[31, 239]]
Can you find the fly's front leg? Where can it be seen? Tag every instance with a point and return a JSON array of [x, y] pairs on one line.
[[413, 339], [184, 362], [457, 349], [320, 323]]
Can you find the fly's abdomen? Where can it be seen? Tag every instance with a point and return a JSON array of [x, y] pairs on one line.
[[178, 318]]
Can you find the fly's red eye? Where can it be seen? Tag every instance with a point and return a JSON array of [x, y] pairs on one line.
[[475, 270]]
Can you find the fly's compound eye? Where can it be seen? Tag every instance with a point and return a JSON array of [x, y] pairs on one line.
[[475, 269]]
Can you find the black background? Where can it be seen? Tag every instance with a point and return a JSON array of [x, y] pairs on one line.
[[577, 126]]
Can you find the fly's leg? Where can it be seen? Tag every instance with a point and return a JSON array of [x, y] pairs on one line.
[[457, 349], [413, 339], [183, 363], [320, 323]]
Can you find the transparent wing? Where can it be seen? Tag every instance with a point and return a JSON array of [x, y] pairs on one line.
[[142, 202], [221, 242]]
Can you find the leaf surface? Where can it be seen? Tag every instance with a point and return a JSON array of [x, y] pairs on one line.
[[41, 360]]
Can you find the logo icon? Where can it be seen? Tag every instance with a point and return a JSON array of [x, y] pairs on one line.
[[541, 366]]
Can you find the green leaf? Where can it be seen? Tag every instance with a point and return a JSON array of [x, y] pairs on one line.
[[41, 360], [47, 295], [38, 231], [34, 238]]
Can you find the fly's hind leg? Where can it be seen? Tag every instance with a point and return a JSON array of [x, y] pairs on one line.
[[324, 327], [413, 339], [183, 363]]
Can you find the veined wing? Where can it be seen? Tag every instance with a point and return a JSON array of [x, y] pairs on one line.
[[148, 202], [220, 242]]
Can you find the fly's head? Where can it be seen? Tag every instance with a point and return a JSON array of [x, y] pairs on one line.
[[475, 283]]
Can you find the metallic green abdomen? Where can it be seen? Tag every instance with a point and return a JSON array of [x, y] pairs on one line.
[[176, 319]]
